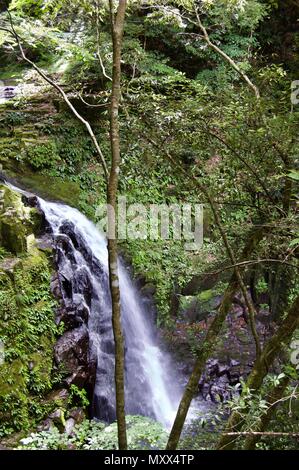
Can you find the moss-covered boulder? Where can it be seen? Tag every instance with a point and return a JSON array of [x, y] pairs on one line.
[[17, 221]]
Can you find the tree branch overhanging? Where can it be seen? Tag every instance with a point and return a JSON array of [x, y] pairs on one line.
[[61, 92]]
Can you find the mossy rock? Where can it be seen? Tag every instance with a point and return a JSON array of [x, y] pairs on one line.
[[53, 188], [56, 399], [36, 220], [15, 221], [48, 187], [40, 365], [12, 235]]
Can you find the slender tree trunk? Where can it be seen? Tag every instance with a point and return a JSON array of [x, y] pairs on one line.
[[273, 401], [117, 24], [208, 346], [261, 369]]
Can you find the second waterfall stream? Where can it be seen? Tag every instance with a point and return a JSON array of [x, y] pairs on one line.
[[151, 386]]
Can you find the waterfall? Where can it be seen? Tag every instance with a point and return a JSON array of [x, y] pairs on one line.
[[82, 259]]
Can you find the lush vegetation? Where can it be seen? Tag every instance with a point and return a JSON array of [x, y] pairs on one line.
[[143, 434], [196, 125]]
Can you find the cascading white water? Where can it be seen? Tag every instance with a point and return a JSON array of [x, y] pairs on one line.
[[82, 258]]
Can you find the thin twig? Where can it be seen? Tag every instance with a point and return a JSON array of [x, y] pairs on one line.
[[92, 105], [265, 433], [225, 56], [231, 255], [98, 45], [247, 263]]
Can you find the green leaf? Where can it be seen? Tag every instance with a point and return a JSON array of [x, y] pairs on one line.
[[294, 175], [294, 242]]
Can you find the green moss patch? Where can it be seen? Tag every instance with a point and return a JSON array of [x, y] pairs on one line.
[[27, 327]]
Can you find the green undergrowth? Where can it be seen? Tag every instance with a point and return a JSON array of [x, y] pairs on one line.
[[142, 433], [55, 158], [27, 329]]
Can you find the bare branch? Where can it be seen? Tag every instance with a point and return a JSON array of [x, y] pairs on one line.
[[62, 93], [265, 433], [98, 44], [101, 105], [250, 263]]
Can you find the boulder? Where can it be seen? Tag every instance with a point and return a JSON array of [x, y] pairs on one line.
[[72, 352], [17, 221], [78, 415], [60, 397], [58, 419], [79, 377], [219, 377], [46, 425], [69, 426]]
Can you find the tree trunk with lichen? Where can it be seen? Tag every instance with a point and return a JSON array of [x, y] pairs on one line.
[[117, 24], [261, 368]]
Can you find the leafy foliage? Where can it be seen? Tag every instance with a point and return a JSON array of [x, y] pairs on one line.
[[179, 96], [143, 434]]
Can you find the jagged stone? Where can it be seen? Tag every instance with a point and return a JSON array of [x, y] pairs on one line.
[[78, 414], [69, 426], [57, 417], [72, 350], [79, 377]]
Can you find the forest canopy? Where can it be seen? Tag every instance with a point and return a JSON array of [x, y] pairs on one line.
[[165, 103]]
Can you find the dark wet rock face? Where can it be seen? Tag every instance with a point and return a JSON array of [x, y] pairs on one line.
[[74, 274], [219, 378], [71, 349], [234, 353], [72, 284]]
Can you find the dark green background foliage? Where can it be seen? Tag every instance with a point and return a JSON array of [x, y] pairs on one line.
[[178, 97]]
